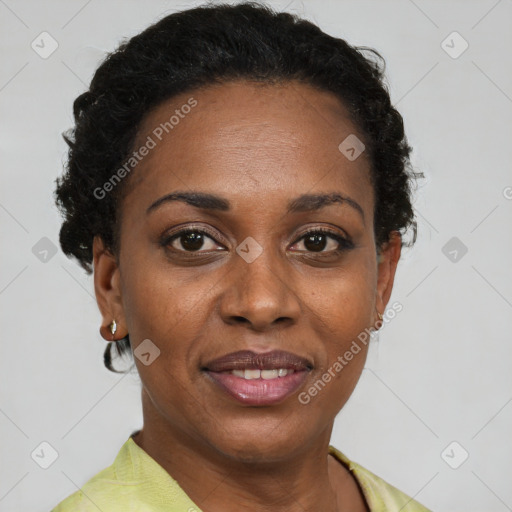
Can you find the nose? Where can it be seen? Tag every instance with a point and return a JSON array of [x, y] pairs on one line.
[[259, 294]]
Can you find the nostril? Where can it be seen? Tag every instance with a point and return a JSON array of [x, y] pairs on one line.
[[241, 319]]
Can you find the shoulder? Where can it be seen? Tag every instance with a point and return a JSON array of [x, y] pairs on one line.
[[81, 500], [134, 482], [380, 495], [101, 492], [117, 488]]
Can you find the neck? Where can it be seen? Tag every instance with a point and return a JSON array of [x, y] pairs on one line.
[[307, 480]]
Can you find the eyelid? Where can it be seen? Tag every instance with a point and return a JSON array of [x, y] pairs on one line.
[[325, 230], [174, 233]]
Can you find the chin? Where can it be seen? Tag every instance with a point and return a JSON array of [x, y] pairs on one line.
[[258, 445]]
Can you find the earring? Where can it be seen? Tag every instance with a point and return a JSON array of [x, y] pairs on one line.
[[113, 327], [380, 316]]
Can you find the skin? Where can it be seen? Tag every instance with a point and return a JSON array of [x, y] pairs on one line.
[[258, 146]]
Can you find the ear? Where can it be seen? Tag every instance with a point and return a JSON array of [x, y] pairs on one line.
[[107, 286], [389, 255]]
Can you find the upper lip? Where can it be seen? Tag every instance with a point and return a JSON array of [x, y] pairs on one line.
[[247, 359]]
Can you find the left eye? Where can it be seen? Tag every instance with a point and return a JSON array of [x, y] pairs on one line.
[[193, 239], [316, 241]]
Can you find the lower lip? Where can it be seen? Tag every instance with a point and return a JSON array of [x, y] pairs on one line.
[[259, 391]]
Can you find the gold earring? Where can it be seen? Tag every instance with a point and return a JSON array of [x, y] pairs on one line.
[[113, 327], [380, 316]]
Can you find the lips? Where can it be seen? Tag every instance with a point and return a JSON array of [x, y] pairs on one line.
[[248, 360], [258, 379]]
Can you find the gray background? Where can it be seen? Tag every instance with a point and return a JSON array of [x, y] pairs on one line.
[[441, 370]]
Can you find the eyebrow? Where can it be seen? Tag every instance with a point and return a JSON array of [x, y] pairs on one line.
[[302, 203]]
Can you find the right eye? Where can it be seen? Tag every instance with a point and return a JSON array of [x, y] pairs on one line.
[[189, 240]]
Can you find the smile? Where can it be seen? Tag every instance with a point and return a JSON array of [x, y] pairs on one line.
[[263, 374], [258, 387]]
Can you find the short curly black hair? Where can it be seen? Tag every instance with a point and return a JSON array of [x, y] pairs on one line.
[[216, 43]]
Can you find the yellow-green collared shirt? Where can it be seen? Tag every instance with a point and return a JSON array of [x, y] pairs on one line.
[[135, 482]]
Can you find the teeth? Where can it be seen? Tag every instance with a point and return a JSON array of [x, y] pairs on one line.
[[269, 374], [264, 374], [252, 374]]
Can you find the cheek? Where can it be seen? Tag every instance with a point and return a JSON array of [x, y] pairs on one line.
[[171, 312], [345, 301], [162, 311], [342, 315], [157, 304]]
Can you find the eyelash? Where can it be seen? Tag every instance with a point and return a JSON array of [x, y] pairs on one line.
[[344, 243]]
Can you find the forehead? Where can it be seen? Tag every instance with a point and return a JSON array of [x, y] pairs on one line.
[[250, 140]]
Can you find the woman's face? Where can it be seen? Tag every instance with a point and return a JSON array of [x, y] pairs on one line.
[[248, 276]]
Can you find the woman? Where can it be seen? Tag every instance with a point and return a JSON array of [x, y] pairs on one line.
[[239, 184]]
